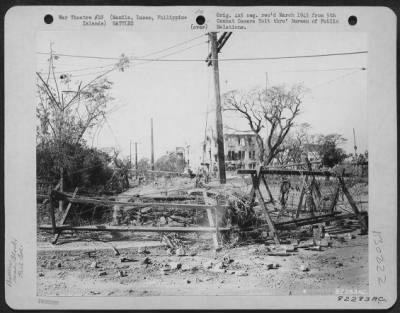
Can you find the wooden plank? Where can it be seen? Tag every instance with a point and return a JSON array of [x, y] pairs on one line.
[[86, 200], [300, 201], [360, 217], [164, 229], [306, 220], [52, 214], [268, 190], [64, 218], [46, 197], [42, 197], [314, 185], [262, 203], [290, 172], [146, 204], [209, 201], [168, 198], [335, 199], [255, 179]]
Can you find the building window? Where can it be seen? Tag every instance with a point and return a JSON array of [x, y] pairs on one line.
[[242, 142]]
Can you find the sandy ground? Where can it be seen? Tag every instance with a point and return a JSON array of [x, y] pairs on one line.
[[68, 270]]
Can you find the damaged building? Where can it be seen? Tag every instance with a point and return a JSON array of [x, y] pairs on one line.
[[241, 151]]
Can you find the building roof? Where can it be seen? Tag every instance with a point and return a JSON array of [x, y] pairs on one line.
[[311, 147], [240, 134]]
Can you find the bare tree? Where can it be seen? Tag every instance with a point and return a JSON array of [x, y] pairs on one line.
[[294, 143], [65, 113], [273, 110]]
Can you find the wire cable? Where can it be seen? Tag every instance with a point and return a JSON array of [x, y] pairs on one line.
[[113, 64], [172, 53], [335, 79], [221, 60], [78, 56], [81, 69], [262, 58], [90, 73], [327, 70], [169, 48], [114, 58]]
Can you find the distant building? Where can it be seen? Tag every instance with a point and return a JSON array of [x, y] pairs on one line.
[[241, 151], [312, 151]]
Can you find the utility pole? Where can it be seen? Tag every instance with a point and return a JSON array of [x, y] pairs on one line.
[[136, 167], [188, 155], [152, 145], [130, 154], [355, 145], [219, 126], [136, 157]]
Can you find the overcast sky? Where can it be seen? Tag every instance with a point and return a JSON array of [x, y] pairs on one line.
[[177, 95]]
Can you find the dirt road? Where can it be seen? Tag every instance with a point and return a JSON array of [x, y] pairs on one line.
[[245, 270]]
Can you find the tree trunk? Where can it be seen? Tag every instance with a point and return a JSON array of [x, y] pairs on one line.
[[261, 153]]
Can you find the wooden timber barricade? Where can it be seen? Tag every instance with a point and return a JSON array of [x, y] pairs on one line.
[[259, 174], [55, 196]]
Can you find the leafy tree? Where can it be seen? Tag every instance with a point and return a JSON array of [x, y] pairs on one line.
[[66, 111], [331, 153], [86, 167], [170, 162], [273, 110], [293, 144], [143, 165]]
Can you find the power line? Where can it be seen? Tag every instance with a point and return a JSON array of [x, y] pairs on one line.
[[113, 64], [78, 56], [112, 132], [264, 58], [328, 69], [81, 69], [113, 58], [171, 47], [172, 53], [336, 78], [230, 59], [90, 73]]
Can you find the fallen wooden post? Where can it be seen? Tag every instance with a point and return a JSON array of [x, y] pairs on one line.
[[265, 171], [136, 228], [363, 221], [257, 175], [85, 200], [256, 184], [52, 213], [64, 218]]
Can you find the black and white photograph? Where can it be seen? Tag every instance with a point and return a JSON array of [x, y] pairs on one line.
[[221, 163], [200, 157]]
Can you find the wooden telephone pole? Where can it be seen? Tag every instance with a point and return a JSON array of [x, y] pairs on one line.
[[130, 156], [355, 145], [152, 145], [136, 143], [216, 46]]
